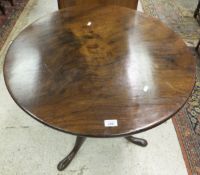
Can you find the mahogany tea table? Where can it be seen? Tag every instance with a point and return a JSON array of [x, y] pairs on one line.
[[99, 72]]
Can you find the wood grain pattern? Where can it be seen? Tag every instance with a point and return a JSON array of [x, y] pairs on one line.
[[85, 3], [76, 68]]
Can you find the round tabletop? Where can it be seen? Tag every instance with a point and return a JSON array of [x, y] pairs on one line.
[[99, 72]]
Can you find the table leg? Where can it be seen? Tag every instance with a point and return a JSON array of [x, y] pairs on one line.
[[196, 12], [197, 47], [11, 2], [67, 160], [137, 141], [2, 8]]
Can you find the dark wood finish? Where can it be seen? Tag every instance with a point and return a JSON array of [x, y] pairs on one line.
[[63, 164], [85, 3], [76, 68], [197, 47], [11, 2], [197, 16], [137, 141], [2, 8], [196, 12], [67, 160]]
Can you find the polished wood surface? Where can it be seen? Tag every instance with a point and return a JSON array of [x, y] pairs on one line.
[[76, 68], [85, 3]]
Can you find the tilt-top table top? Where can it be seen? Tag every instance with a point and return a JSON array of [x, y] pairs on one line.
[[77, 68]]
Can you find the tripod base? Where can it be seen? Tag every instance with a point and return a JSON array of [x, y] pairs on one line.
[[80, 140]]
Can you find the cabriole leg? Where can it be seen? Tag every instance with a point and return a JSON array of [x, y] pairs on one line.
[[137, 141], [67, 160]]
